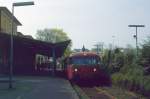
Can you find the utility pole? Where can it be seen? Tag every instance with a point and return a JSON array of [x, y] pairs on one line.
[[136, 37], [113, 42], [99, 46]]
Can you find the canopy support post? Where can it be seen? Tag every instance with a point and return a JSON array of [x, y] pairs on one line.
[[54, 62]]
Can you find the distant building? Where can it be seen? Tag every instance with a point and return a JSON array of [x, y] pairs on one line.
[[80, 50], [6, 21], [77, 50]]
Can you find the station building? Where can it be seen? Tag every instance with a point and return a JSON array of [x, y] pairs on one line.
[[6, 21], [25, 48]]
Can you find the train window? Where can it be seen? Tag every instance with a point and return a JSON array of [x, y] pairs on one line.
[[85, 61]]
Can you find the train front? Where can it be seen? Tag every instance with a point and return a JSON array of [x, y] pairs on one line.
[[84, 66]]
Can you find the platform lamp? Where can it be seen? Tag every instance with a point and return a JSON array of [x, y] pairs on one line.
[[16, 4], [136, 36]]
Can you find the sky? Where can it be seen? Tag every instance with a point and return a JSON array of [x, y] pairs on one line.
[[86, 22]]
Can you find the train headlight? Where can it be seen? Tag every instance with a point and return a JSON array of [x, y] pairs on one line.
[[94, 69], [75, 69]]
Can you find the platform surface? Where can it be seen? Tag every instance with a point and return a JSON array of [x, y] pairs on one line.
[[38, 88]]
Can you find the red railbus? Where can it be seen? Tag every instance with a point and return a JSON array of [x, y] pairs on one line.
[[83, 66]]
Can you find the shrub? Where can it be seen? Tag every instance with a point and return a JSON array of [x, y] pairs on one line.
[[130, 76], [117, 78], [146, 83]]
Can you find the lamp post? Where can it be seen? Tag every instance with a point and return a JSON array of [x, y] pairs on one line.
[[136, 36], [11, 38]]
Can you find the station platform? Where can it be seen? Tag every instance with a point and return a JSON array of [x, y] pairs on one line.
[[39, 88]]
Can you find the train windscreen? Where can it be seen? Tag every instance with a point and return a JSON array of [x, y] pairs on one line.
[[85, 61]]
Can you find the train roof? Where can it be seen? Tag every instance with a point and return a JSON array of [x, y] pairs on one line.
[[82, 54]]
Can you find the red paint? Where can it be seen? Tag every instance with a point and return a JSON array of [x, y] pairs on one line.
[[83, 71]]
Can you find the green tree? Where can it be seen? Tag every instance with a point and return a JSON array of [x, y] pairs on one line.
[[117, 59], [145, 55], [146, 49], [54, 35], [130, 54]]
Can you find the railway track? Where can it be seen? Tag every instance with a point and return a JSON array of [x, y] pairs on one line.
[[92, 92], [96, 93]]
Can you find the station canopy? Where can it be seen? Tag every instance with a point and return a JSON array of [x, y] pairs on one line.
[[36, 46]]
